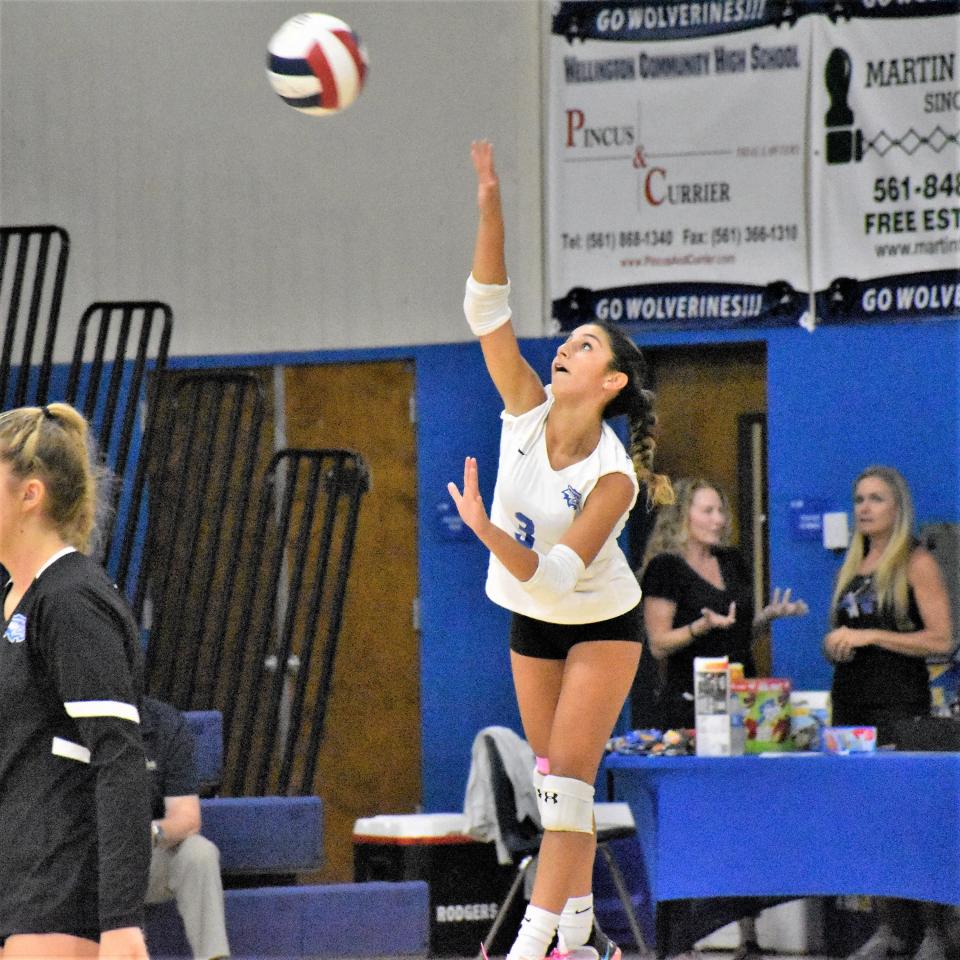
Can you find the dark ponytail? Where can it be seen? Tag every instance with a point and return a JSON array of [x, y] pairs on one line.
[[635, 402]]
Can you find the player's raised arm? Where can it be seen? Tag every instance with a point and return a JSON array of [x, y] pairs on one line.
[[488, 287]]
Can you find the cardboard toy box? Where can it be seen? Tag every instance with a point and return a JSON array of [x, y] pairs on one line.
[[945, 688], [743, 695], [844, 740], [809, 716], [766, 719], [711, 691]]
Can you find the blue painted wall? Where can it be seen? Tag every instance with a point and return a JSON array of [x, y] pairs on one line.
[[837, 400], [465, 666]]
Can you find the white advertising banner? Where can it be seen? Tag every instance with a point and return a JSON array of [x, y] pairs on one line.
[[885, 162], [676, 154]]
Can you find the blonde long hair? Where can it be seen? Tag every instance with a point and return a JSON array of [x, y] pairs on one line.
[[53, 443], [671, 529], [890, 583]]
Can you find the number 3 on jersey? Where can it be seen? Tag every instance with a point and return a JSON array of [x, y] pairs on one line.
[[525, 530]]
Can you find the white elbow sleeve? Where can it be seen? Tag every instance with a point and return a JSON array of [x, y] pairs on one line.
[[556, 575], [485, 305]]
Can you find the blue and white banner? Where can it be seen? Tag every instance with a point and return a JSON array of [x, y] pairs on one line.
[[885, 162], [676, 160], [656, 20]]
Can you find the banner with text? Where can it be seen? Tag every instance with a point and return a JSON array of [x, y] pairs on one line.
[[676, 155], [885, 163]]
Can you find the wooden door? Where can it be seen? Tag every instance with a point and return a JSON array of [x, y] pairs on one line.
[[370, 759], [704, 395], [701, 394]]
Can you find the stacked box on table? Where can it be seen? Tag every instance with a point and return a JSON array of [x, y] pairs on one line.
[[809, 716], [711, 694], [743, 693], [767, 721], [466, 882]]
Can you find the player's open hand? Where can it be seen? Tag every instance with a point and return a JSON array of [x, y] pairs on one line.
[[488, 184], [469, 503]]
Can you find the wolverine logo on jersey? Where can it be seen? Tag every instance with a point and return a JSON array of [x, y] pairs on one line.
[[16, 630], [572, 497]]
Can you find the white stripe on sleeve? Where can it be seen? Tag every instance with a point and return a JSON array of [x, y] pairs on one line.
[[70, 750], [102, 708]]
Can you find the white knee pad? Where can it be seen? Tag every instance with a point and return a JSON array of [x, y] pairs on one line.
[[565, 804]]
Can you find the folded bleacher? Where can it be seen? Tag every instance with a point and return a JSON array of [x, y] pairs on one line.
[[271, 839]]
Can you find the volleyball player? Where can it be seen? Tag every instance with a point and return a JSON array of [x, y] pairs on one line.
[[565, 487], [74, 796]]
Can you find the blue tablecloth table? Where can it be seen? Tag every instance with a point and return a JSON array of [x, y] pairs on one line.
[[794, 825]]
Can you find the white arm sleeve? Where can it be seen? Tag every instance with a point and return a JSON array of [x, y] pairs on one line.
[[556, 575], [485, 305]]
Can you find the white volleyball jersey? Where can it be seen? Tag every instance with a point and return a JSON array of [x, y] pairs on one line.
[[536, 504]]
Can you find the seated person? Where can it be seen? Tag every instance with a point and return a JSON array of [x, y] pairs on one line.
[[185, 866]]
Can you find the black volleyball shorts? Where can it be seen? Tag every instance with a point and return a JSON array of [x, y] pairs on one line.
[[553, 641]]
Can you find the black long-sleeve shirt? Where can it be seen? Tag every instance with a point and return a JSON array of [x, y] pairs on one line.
[[74, 794]]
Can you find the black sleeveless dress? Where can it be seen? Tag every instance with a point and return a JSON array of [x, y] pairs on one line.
[[877, 687]]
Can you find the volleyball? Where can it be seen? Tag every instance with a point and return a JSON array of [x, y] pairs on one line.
[[316, 63]]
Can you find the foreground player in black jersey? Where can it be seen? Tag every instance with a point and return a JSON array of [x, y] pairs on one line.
[[74, 795]]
